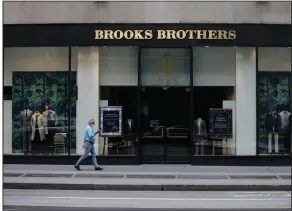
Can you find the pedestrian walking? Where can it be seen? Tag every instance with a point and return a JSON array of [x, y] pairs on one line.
[[89, 140]]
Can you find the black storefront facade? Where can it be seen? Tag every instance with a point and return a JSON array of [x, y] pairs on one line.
[[173, 76]]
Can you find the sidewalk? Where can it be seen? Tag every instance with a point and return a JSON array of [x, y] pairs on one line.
[[148, 177]]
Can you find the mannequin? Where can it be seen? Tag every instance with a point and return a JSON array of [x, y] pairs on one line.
[[200, 134], [284, 129], [50, 123], [283, 123], [37, 126], [271, 125], [25, 117]]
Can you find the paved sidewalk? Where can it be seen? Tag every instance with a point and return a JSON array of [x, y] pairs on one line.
[[148, 177]]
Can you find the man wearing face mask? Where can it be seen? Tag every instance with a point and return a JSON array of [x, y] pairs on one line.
[[89, 140]]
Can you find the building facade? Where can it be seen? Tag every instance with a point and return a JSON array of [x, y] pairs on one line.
[[169, 65]]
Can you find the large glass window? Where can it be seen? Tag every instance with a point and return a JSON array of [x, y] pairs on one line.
[[118, 87], [37, 114], [214, 71], [274, 101]]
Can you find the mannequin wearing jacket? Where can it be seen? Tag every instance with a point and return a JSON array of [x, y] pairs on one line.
[[284, 128], [271, 125], [200, 135], [283, 123], [50, 122], [37, 127], [25, 117]]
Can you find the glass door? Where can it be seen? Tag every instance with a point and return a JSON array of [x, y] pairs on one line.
[[165, 105]]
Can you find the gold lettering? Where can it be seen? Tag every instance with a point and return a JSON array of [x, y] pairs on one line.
[[222, 35], [231, 34], [148, 34], [98, 34], [212, 35], [165, 34], [108, 34], [201, 34], [181, 34], [171, 34], [118, 34], [161, 34], [129, 34], [190, 34], [138, 35]]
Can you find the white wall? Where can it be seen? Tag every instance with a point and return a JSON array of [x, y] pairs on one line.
[[246, 101], [32, 59], [214, 66], [146, 12], [118, 66], [7, 127], [274, 59]]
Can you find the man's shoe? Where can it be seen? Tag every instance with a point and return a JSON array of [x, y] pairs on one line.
[[98, 168], [77, 168]]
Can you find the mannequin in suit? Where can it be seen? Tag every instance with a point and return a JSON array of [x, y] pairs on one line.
[[200, 134], [271, 123], [50, 123], [37, 126], [283, 123], [25, 117], [129, 130], [284, 128]]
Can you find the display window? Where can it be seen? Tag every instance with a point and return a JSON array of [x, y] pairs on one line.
[[274, 101], [39, 117]]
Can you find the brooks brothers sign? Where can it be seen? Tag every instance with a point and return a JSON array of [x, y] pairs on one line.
[[165, 34]]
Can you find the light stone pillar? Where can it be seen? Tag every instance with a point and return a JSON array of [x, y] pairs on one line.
[[246, 101], [88, 93]]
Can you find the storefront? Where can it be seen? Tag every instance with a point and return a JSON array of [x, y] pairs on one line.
[[166, 77]]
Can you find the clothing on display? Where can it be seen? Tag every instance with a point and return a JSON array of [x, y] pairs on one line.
[[283, 123], [277, 124], [270, 142], [25, 117], [50, 123], [37, 126], [271, 121], [200, 135], [200, 143], [200, 127]]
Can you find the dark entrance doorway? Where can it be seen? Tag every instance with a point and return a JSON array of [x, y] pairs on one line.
[[165, 129], [165, 105]]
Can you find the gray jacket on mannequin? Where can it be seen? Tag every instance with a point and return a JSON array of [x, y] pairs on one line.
[[200, 127]]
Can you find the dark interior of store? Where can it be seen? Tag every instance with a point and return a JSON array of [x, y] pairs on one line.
[[169, 105]]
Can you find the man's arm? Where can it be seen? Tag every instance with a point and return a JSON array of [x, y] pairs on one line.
[[89, 133]]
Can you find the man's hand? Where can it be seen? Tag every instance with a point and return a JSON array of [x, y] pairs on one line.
[[98, 131]]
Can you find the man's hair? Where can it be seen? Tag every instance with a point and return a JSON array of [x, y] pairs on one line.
[[90, 120]]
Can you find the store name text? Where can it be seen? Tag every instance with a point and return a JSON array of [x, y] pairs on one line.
[[165, 34]]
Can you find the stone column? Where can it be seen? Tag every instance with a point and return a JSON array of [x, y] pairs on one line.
[[246, 101], [88, 93]]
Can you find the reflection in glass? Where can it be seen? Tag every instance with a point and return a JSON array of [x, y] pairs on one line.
[[274, 115], [40, 113]]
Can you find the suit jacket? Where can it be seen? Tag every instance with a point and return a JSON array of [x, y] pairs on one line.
[[200, 127], [37, 118], [283, 123], [271, 123], [50, 119], [25, 117], [126, 127]]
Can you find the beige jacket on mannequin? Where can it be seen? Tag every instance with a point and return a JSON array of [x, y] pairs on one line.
[[40, 121]]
